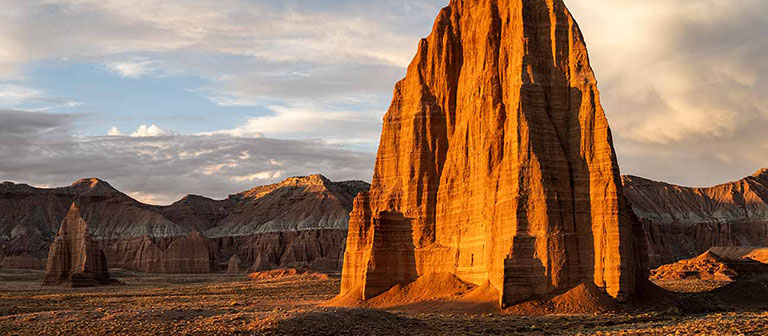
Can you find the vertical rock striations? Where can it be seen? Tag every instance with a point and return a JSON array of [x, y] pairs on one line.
[[189, 255], [496, 164], [74, 257]]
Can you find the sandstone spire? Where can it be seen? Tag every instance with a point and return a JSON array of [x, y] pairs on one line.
[[74, 257], [496, 164]]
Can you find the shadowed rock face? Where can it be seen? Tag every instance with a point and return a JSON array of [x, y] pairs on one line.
[[496, 164], [24, 261], [74, 257], [233, 266], [189, 255], [681, 222], [300, 222]]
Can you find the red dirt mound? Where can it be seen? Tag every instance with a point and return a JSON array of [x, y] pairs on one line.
[[286, 273], [585, 298], [707, 266], [442, 292], [740, 253], [760, 255]]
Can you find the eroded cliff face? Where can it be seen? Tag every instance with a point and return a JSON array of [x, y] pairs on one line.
[[496, 164], [74, 257], [681, 222], [299, 222], [30, 217]]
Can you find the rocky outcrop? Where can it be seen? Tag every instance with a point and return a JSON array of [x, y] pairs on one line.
[[233, 266], [138, 254], [24, 261], [681, 222], [304, 217], [190, 254], [314, 249], [30, 217], [296, 204], [496, 164], [74, 257], [717, 264]]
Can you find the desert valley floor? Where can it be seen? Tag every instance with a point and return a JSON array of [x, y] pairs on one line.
[[222, 304]]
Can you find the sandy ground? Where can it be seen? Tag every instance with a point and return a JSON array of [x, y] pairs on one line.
[[219, 304]]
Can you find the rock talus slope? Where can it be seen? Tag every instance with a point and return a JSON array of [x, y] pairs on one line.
[[74, 257], [681, 222], [496, 164]]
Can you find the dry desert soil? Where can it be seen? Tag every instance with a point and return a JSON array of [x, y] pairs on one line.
[[219, 304]]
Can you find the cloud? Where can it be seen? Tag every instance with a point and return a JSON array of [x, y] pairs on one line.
[[114, 131], [683, 84], [46, 151], [677, 78], [13, 94], [150, 131], [132, 69], [301, 120]]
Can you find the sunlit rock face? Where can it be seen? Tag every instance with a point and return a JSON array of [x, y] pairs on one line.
[[74, 257], [681, 222], [496, 164]]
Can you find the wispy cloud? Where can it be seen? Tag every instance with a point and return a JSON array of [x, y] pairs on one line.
[[133, 68]]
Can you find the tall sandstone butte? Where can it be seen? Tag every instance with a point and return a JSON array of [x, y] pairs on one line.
[[496, 164], [74, 257]]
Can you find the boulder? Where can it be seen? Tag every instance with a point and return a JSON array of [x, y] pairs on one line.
[[496, 164], [74, 257]]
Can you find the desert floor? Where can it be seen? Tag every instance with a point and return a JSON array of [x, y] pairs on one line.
[[149, 304]]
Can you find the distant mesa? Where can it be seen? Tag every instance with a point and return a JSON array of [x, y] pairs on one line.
[[719, 263], [74, 258], [300, 222], [496, 167], [682, 222]]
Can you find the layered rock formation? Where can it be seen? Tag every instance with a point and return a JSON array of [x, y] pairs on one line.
[[718, 264], [74, 257], [496, 164], [30, 217], [233, 266], [681, 222], [300, 222], [24, 261], [189, 255]]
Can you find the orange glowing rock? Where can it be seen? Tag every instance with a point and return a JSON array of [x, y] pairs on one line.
[[496, 165]]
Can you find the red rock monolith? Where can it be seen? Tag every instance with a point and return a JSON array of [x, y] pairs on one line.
[[74, 257], [496, 164], [233, 266]]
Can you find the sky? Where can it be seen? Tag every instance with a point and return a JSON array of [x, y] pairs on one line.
[[213, 97]]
